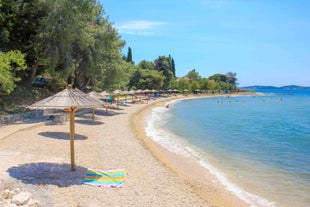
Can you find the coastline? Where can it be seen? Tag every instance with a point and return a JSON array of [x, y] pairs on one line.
[[202, 181], [36, 161]]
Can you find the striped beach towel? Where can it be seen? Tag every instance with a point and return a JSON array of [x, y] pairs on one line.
[[108, 178]]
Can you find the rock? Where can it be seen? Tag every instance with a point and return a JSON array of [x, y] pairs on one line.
[[21, 198], [17, 191], [16, 198], [5, 203], [33, 203], [7, 194]]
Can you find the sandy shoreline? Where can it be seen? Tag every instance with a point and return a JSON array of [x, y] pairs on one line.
[[37, 160]]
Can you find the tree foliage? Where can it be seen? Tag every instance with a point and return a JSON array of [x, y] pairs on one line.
[[183, 85], [227, 82], [146, 65], [19, 27], [80, 44], [129, 56], [218, 78], [163, 64], [193, 75], [74, 42], [146, 79], [10, 64], [67, 39]]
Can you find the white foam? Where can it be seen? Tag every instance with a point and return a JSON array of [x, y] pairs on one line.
[[253, 200], [173, 143], [156, 132]]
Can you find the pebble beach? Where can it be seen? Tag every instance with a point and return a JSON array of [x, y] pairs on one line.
[[35, 158]]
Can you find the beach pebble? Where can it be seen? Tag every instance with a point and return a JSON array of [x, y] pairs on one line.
[[7, 194], [16, 197], [17, 191], [33, 203], [22, 198]]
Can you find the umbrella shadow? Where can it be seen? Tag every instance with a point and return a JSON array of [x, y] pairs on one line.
[[44, 173], [88, 115], [88, 122], [101, 112], [62, 135], [113, 113]]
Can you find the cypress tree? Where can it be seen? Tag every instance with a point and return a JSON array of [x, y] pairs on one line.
[[129, 55], [173, 67]]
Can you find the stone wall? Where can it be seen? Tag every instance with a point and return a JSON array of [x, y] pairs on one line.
[[11, 118]]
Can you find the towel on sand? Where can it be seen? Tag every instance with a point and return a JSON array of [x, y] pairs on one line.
[[107, 178]]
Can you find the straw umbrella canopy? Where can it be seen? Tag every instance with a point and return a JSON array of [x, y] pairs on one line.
[[96, 95], [131, 92], [117, 92], [70, 100], [106, 93]]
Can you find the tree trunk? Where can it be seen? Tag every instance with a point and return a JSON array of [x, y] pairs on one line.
[[34, 69]]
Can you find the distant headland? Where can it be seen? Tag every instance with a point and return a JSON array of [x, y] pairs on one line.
[[288, 87]]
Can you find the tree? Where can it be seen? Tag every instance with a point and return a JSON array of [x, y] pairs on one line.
[[218, 78], [10, 63], [77, 42], [118, 76], [67, 39], [226, 86], [226, 82], [205, 84], [174, 84], [173, 67], [163, 65], [19, 28], [129, 56], [146, 79], [146, 65], [231, 78], [193, 75], [184, 84], [195, 85]]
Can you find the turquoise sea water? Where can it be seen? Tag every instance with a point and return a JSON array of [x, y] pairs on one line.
[[258, 147]]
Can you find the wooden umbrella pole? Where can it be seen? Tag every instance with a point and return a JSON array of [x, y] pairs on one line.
[[72, 132], [93, 113], [72, 139]]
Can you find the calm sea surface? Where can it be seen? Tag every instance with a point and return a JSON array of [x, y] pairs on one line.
[[258, 147]]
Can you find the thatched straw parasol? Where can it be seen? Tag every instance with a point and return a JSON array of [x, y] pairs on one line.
[[106, 93], [97, 95], [70, 100]]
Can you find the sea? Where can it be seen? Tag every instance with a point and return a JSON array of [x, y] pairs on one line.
[[258, 146]]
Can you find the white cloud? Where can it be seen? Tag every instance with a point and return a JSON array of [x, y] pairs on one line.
[[141, 27]]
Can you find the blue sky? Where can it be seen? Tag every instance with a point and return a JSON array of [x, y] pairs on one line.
[[266, 42]]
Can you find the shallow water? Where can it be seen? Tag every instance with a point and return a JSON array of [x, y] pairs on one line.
[[259, 147]]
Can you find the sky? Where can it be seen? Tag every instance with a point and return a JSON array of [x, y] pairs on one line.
[[266, 42]]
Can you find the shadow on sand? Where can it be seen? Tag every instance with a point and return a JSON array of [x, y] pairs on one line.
[[44, 173], [88, 122], [62, 135], [110, 112]]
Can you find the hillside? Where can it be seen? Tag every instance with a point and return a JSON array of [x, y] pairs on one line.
[[20, 98], [288, 87]]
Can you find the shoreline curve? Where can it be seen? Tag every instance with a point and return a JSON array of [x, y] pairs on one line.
[[210, 189]]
